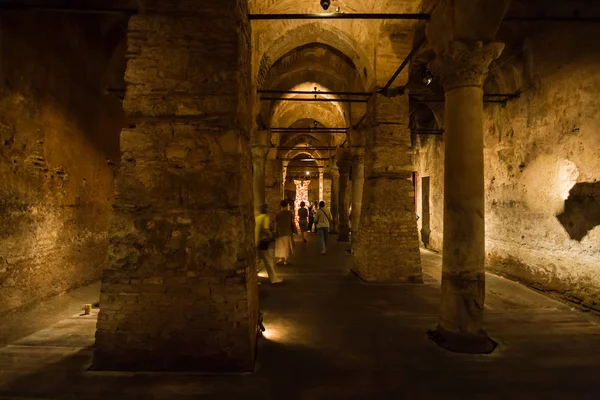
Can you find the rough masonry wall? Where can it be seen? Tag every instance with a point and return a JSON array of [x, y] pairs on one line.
[[429, 163], [59, 149], [537, 149], [180, 291], [540, 150]]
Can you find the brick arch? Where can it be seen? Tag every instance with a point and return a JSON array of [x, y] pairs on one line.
[[302, 138], [321, 64], [327, 113], [293, 36], [317, 58]]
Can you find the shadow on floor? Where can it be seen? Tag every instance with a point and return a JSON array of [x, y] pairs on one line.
[[329, 336]]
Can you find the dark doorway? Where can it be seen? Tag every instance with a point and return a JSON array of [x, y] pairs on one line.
[[425, 222]]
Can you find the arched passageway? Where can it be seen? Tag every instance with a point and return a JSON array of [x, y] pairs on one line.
[[143, 161]]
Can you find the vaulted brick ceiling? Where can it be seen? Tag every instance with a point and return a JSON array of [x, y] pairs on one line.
[[335, 55]]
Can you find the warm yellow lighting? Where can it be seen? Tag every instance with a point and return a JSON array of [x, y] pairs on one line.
[[263, 274], [271, 334], [307, 173]]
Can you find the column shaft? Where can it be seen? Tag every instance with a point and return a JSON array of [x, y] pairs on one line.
[[273, 184], [335, 192], [460, 327], [358, 180], [180, 291], [258, 175], [321, 185], [387, 245], [343, 223]]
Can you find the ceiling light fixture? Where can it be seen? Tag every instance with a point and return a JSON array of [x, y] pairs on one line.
[[325, 4], [426, 76]]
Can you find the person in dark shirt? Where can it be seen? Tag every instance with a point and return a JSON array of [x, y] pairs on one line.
[[303, 220]]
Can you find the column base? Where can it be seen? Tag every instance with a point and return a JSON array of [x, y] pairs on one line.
[[460, 343]]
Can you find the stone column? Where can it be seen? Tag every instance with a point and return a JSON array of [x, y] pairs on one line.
[[358, 180], [321, 184], [464, 68], [343, 223], [259, 154], [387, 245], [335, 192], [274, 174], [285, 164], [180, 290]]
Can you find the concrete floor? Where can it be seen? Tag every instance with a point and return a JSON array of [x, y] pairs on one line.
[[330, 336]]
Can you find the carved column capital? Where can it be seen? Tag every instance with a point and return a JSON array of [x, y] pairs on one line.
[[259, 153], [466, 64], [335, 173]]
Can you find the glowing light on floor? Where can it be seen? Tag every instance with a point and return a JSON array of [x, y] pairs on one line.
[[263, 274], [272, 334]]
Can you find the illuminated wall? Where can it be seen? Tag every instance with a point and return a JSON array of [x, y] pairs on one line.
[[541, 151], [60, 149]]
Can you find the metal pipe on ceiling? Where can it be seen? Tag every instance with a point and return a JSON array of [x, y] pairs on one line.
[[311, 129], [256, 17], [516, 18], [307, 148], [488, 98], [270, 91], [315, 133], [304, 167], [317, 100], [304, 159], [420, 131]]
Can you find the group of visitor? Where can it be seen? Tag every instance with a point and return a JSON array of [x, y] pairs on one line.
[[284, 231]]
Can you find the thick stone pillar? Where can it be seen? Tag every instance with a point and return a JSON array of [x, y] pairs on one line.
[[343, 223], [387, 244], [273, 184], [464, 68], [180, 289], [259, 154], [321, 185], [335, 193], [358, 180]]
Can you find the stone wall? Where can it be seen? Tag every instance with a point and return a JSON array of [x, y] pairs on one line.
[[537, 149], [542, 151], [59, 149], [180, 291], [429, 163]]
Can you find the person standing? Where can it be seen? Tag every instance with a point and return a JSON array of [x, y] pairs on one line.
[[284, 230], [303, 220], [311, 216], [262, 238], [323, 221]]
